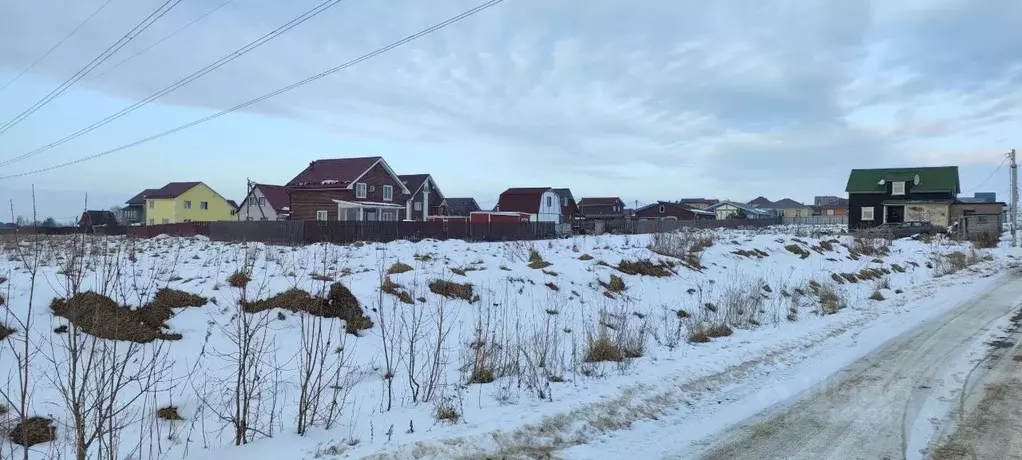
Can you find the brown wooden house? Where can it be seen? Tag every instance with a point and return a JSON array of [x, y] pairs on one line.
[[666, 210], [426, 198], [348, 189], [602, 208], [569, 209]]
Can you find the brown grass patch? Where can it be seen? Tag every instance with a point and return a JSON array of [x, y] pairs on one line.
[[553, 286], [238, 279], [850, 277], [168, 413], [797, 250], [6, 331], [644, 267], [451, 289], [585, 257], [395, 290], [877, 296], [830, 301], [101, 317], [320, 277], [340, 303], [898, 268], [986, 240], [539, 264], [1017, 358], [446, 411], [603, 349], [616, 284], [399, 268], [32, 431], [719, 330]]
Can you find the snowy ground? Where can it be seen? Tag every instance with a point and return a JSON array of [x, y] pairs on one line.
[[557, 349]]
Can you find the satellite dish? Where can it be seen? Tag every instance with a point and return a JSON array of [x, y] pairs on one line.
[[882, 182], [915, 180]]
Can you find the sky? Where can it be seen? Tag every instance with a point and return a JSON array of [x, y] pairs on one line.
[[653, 100]]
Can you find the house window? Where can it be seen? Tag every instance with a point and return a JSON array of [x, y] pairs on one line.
[[867, 213], [549, 202], [361, 190], [233, 212], [898, 188], [264, 218], [203, 205], [387, 216], [388, 193], [417, 206], [321, 215], [661, 209], [152, 204], [188, 205], [830, 212], [261, 201]]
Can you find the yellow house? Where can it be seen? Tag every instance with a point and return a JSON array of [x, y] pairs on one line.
[[180, 202]]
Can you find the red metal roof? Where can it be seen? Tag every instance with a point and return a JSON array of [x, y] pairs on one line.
[[333, 172], [172, 190], [524, 199], [600, 201], [276, 196]]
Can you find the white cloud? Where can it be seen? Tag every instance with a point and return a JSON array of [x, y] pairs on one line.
[[722, 98]]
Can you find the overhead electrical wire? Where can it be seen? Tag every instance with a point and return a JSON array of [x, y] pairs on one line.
[[96, 62], [365, 57], [55, 46], [251, 46], [1005, 160], [99, 75]]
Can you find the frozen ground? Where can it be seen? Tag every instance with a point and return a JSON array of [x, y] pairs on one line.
[[566, 348]]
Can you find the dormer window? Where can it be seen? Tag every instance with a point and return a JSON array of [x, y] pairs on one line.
[[661, 209], [898, 188]]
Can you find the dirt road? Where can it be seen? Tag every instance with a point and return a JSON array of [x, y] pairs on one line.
[[869, 409]]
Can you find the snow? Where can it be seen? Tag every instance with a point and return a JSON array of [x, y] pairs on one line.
[[329, 182], [583, 410]]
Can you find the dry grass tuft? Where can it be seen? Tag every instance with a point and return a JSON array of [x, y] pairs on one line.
[[585, 257], [168, 413], [850, 277], [33, 431], [101, 317], [340, 303], [6, 331], [399, 268], [898, 268], [553, 286], [451, 289], [603, 349], [539, 264], [482, 375], [320, 277], [830, 301], [395, 290], [797, 250], [446, 411], [239, 279], [871, 247], [644, 267], [719, 330], [877, 296], [986, 240], [615, 285]]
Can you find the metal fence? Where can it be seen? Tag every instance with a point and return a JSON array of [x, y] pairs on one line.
[[815, 220], [659, 226]]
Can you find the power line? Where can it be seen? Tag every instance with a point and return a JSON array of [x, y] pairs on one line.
[[98, 60], [315, 11], [156, 43], [1005, 160], [54, 47], [264, 97]]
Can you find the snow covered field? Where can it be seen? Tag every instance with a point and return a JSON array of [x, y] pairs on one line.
[[430, 349]]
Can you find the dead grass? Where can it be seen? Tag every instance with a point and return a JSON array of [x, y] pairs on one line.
[[870, 246], [986, 240], [719, 330], [452, 290], [6, 331], [603, 349], [168, 413], [615, 285], [446, 411], [101, 317], [239, 279], [585, 257], [394, 289], [830, 301], [952, 451], [898, 268], [33, 431], [320, 277], [553, 286], [644, 267], [797, 250], [1017, 358], [877, 296], [340, 303], [399, 268], [539, 264]]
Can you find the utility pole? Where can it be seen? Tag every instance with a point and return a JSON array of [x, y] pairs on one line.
[[1014, 197]]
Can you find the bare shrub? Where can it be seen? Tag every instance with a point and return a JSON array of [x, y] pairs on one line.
[[602, 349], [446, 410], [6, 331], [615, 284], [686, 246], [877, 296], [239, 279], [830, 300], [986, 240], [870, 246]]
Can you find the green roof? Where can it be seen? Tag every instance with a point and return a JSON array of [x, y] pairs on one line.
[[933, 179]]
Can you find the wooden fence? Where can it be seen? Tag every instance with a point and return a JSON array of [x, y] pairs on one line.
[[816, 220], [660, 226]]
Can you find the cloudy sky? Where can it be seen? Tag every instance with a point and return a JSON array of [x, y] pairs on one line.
[[660, 99]]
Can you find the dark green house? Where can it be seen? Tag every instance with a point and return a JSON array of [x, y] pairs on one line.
[[876, 196]]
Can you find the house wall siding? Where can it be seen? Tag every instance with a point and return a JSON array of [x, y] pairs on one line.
[[218, 210], [653, 212], [306, 201], [549, 207], [161, 209], [959, 209], [252, 210], [434, 203], [857, 201]]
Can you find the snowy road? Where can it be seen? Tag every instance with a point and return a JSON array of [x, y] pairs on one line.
[[873, 408]]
